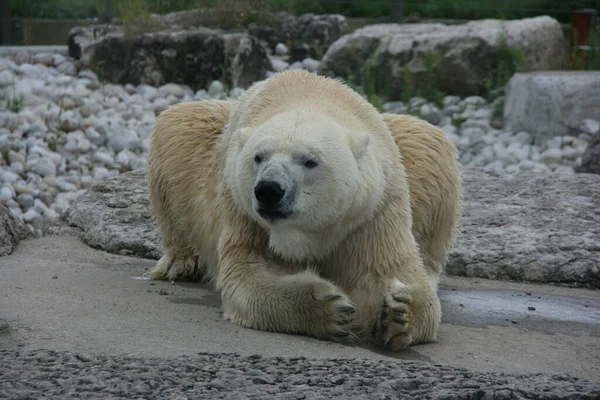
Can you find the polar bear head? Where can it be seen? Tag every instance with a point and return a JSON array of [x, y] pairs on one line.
[[305, 161], [307, 179]]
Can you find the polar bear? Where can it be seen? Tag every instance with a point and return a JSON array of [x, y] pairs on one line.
[[310, 211]]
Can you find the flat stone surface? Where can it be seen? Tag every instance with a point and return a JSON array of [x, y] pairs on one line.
[[551, 103], [82, 321], [538, 227], [525, 227], [115, 216]]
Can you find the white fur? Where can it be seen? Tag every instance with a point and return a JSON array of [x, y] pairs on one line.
[[332, 199]]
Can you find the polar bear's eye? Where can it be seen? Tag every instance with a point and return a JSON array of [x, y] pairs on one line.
[[310, 163], [257, 159]]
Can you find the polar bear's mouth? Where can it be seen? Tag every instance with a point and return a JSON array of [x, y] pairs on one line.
[[273, 215]]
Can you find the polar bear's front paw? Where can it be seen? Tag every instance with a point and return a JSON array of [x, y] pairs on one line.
[[171, 268], [392, 328], [337, 313]]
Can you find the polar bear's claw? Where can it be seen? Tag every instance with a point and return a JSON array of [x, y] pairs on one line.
[[392, 328]]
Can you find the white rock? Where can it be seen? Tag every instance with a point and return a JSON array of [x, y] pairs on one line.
[[281, 49], [201, 95], [170, 89], [475, 101], [58, 59], [34, 218], [125, 139], [236, 92], [570, 153], [295, 66], [45, 167], [25, 200], [100, 173], [86, 181], [554, 142], [77, 142], [523, 138], [64, 186], [551, 155], [87, 74], [6, 194], [564, 169], [125, 156], [450, 101], [215, 89], [310, 64], [17, 167], [14, 156], [43, 58], [68, 68], [40, 206], [482, 113], [103, 157], [7, 77], [590, 126], [278, 65], [431, 113], [50, 216]]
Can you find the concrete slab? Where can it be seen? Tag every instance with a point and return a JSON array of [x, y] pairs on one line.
[[59, 294]]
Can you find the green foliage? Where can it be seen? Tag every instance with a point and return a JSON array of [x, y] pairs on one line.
[[588, 59], [55, 9], [510, 59], [429, 85], [9, 100], [457, 9]]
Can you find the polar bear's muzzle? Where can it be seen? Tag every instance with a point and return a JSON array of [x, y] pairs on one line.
[[274, 195]]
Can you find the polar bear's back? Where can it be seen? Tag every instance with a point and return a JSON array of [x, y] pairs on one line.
[[431, 165], [185, 167]]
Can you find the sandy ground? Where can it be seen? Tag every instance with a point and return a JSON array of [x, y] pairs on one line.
[[59, 294]]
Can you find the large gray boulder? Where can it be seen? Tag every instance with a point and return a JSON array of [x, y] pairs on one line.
[[523, 227], [552, 103], [12, 230], [194, 57], [467, 52]]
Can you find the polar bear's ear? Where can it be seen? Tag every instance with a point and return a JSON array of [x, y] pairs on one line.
[[242, 135], [359, 141]]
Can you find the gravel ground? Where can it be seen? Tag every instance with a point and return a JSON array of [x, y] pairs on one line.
[[51, 374]]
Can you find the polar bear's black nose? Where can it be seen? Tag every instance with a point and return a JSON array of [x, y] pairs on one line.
[[268, 193]]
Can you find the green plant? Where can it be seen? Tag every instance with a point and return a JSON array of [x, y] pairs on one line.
[[52, 142], [408, 84], [429, 85], [98, 69], [587, 58], [508, 61], [10, 100], [370, 85]]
